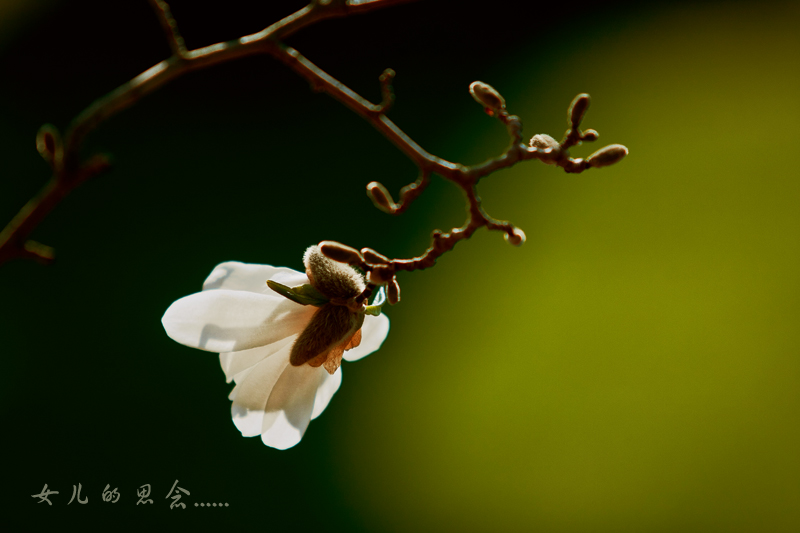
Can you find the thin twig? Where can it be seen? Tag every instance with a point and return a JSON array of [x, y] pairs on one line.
[[170, 27]]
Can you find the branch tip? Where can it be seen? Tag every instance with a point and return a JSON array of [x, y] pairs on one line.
[[381, 197]]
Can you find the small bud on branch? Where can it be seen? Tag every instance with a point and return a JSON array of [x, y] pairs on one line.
[[589, 136], [613, 153], [577, 109], [341, 253], [516, 237], [543, 141], [48, 144], [487, 96], [381, 197], [374, 257]]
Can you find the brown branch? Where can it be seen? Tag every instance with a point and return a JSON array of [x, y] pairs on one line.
[[170, 27], [381, 269], [68, 171]]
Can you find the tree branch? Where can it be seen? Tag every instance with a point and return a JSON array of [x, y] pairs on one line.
[[68, 171]]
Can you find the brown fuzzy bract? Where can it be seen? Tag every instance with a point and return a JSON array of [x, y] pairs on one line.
[[331, 328]]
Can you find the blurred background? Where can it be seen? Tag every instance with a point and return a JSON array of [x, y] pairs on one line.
[[634, 367]]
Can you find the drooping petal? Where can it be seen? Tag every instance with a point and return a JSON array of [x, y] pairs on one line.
[[236, 363], [253, 390], [325, 392], [227, 321], [373, 333], [290, 405], [236, 276]]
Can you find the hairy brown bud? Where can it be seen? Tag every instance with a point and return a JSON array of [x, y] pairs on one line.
[[487, 96], [393, 291], [590, 135], [374, 257], [543, 142], [341, 252], [332, 279], [381, 197], [516, 237], [577, 109], [613, 153]]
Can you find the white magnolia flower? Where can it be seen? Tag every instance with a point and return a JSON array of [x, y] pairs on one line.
[[283, 356]]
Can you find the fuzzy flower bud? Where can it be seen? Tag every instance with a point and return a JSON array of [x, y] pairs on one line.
[[543, 141], [332, 279], [613, 153]]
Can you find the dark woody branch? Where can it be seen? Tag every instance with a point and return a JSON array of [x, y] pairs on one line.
[[69, 171]]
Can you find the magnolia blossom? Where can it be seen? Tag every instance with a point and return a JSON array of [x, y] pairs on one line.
[[256, 332]]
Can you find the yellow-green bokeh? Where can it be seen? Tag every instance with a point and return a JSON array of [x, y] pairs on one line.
[[635, 365]]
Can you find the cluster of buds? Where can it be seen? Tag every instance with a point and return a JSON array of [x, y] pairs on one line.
[[495, 105], [379, 269], [604, 157]]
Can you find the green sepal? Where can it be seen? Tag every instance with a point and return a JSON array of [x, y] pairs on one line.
[[303, 294], [373, 310], [377, 303]]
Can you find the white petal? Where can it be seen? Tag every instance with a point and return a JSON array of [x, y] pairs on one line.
[[235, 364], [290, 405], [228, 321], [251, 394], [326, 391], [373, 333], [237, 276]]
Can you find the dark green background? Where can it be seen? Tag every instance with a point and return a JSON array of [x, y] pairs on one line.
[[634, 367]]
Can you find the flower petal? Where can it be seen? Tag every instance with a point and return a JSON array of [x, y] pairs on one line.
[[290, 406], [326, 391], [235, 364], [227, 321], [236, 276], [373, 333], [251, 394]]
